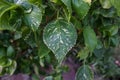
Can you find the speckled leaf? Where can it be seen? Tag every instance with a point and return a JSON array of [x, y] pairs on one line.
[[60, 36], [81, 7], [33, 19], [84, 73], [90, 38]]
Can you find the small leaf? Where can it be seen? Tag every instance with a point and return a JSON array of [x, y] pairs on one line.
[[5, 62], [2, 52], [4, 7], [84, 73], [88, 1], [43, 50], [48, 78], [81, 7], [12, 68], [68, 4], [10, 18], [17, 35], [113, 30], [76, 23], [33, 19], [10, 51], [90, 38], [35, 77], [106, 4], [60, 36], [83, 54], [116, 4]]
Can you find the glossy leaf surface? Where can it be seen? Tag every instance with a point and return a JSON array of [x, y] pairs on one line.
[[84, 73], [33, 19], [60, 36]]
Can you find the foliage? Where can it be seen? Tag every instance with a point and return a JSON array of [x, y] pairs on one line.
[[36, 33]]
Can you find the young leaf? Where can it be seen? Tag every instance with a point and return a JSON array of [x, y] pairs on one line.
[[90, 38], [84, 73], [106, 4], [33, 19], [60, 36], [83, 54], [81, 7]]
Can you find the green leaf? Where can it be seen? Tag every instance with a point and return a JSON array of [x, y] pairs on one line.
[[106, 4], [4, 7], [8, 19], [12, 68], [1, 68], [43, 50], [10, 51], [76, 23], [81, 7], [4, 23], [33, 19], [83, 54], [68, 4], [17, 35], [113, 30], [35, 77], [88, 1], [116, 4], [48, 78], [90, 38], [5, 62], [84, 73], [2, 52], [60, 36]]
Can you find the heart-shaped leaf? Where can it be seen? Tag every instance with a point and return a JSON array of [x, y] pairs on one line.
[[84, 73], [60, 36]]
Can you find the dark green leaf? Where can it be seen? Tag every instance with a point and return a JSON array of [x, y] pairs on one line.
[[60, 36], [10, 51], [116, 4], [84, 73], [68, 4], [2, 52], [33, 19], [43, 50], [81, 7]]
